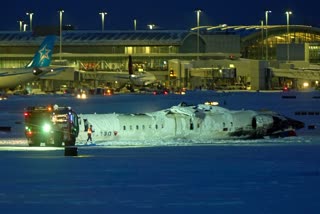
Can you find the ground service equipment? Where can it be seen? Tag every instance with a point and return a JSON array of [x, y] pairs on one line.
[[51, 125]]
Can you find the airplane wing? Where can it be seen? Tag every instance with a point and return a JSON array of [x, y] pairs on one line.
[[15, 72], [51, 71], [4, 74], [122, 77]]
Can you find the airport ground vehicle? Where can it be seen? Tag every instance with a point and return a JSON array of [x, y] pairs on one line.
[[52, 125]]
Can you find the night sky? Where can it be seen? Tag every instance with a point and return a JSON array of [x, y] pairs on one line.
[[165, 14]]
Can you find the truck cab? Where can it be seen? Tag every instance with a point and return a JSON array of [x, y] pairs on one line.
[[51, 125]]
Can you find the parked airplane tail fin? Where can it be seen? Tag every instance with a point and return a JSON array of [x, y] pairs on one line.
[[130, 66], [42, 57]]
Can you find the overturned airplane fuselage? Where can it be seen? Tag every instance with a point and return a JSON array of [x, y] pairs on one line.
[[189, 122]]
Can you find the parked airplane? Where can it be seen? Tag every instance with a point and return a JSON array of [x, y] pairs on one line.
[[140, 79], [37, 67]]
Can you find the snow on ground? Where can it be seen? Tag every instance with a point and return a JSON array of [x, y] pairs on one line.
[[184, 179], [304, 106], [234, 176]]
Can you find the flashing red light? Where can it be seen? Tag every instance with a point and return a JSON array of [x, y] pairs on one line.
[[29, 133], [292, 133], [26, 114]]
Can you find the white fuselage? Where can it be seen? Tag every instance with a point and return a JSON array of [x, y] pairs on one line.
[[142, 78], [174, 123], [15, 76]]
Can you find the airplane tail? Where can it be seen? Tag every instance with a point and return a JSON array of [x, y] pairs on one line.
[[130, 66], [43, 56]]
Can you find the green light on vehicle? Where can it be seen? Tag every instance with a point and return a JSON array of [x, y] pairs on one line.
[[46, 127]]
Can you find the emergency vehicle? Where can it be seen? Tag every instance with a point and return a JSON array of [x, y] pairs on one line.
[[51, 125]]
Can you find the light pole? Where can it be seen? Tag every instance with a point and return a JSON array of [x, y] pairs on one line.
[[20, 25], [25, 27], [30, 14], [261, 23], [267, 12], [288, 13], [151, 26], [198, 32], [102, 19], [60, 13], [135, 24]]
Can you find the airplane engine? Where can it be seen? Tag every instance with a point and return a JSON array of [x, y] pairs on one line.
[[262, 123], [36, 71]]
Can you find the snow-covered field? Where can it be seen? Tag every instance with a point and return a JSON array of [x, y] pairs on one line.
[[255, 176]]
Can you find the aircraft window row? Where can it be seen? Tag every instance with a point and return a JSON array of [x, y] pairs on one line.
[[142, 127], [192, 126]]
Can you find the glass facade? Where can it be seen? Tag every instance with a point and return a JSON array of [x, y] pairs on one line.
[[255, 47], [314, 54], [151, 49]]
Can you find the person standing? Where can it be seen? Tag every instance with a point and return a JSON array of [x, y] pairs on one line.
[[90, 130]]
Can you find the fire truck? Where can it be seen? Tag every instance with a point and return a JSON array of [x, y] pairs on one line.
[[51, 125]]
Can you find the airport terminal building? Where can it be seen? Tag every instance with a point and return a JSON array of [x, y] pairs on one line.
[[206, 57]]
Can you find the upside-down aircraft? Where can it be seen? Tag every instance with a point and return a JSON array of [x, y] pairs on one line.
[[37, 67], [193, 122]]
